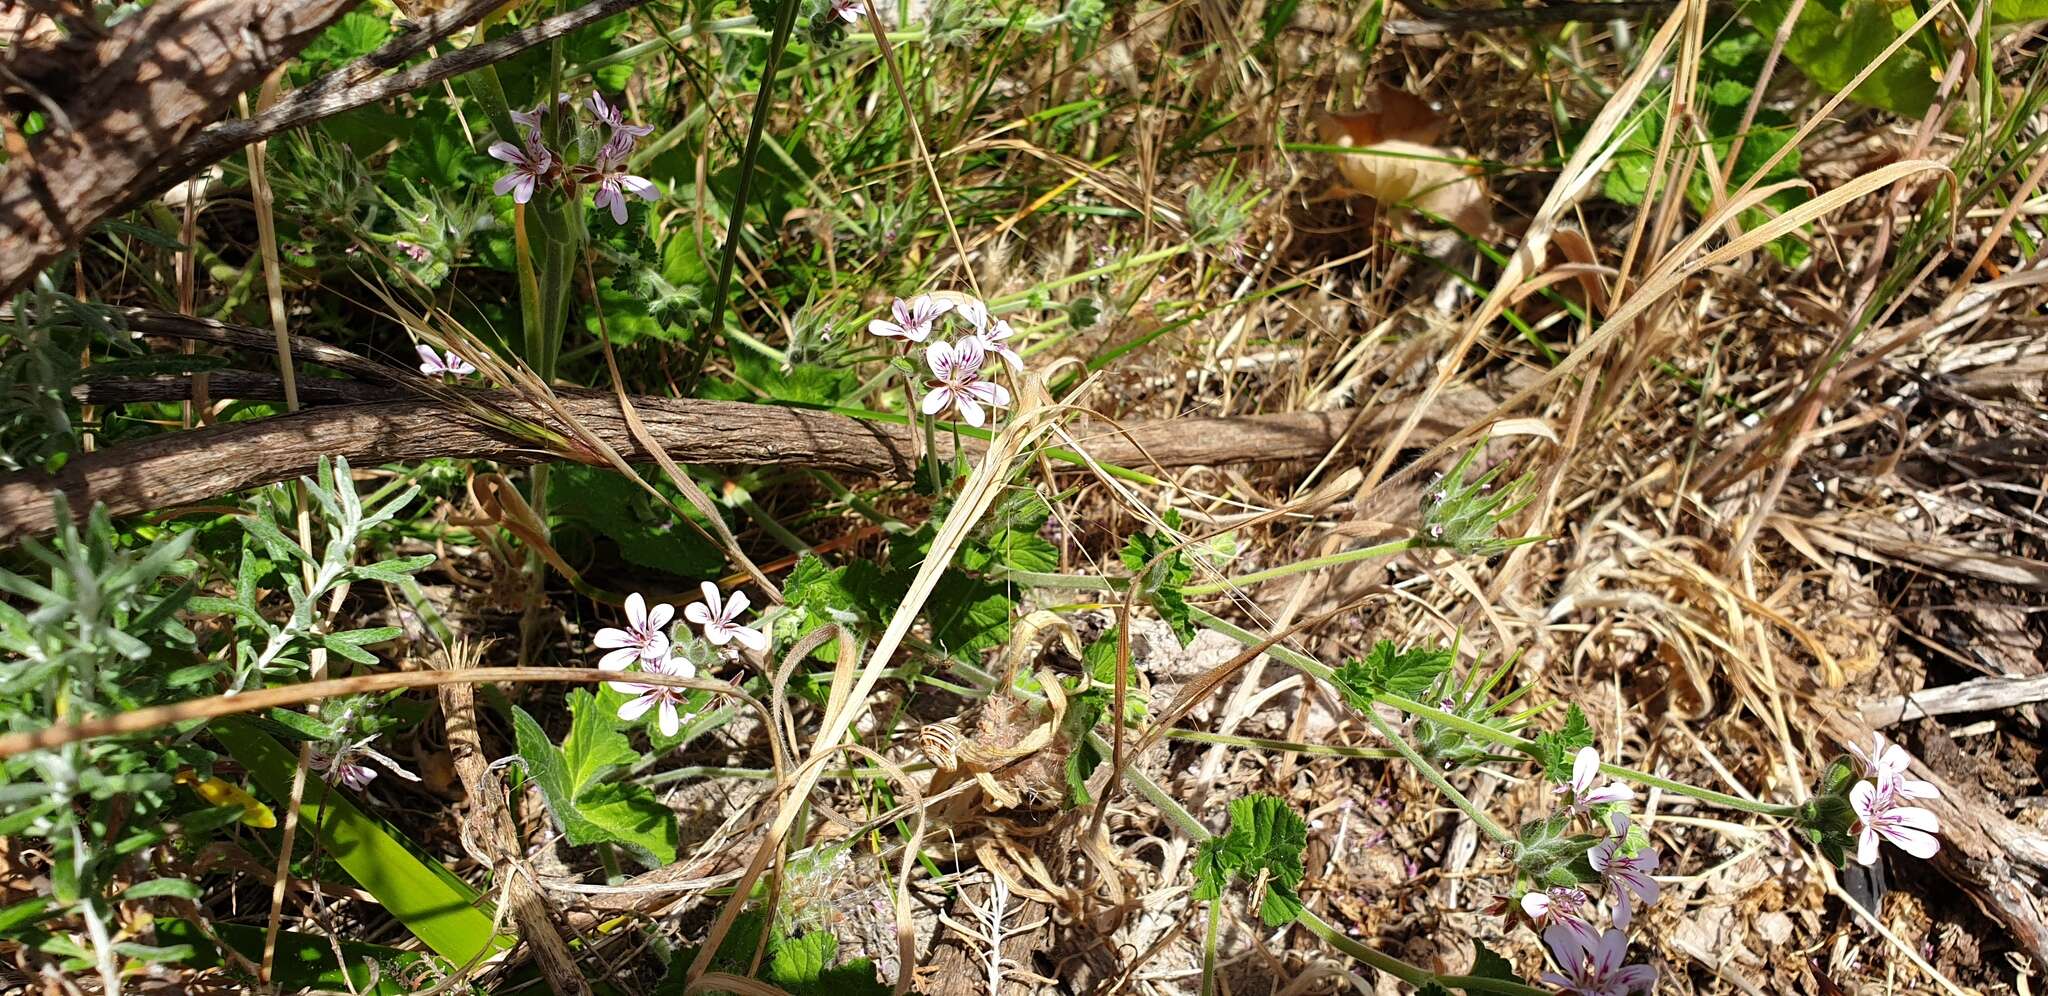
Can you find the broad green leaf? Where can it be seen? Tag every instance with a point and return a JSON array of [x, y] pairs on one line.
[[1406, 673], [1488, 964], [2018, 11], [646, 533], [440, 909], [1162, 584], [1266, 838], [570, 778], [303, 961], [968, 615], [1833, 41], [357, 34]]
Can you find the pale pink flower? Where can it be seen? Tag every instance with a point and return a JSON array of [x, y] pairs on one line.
[[1595, 968], [718, 617], [529, 166], [973, 311], [418, 253], [1585, 769], [615, 119], [644, 638], [850, 11], [450, 364], [533, 120], [341, 767], [1887, 764], [649, 696], [614, 183], [912, 319], [1628, 876], [957, 382], [1909, 828], [1560, 907], [995, 338]]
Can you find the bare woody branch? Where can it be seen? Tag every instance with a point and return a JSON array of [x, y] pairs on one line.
[[143, 124], [204, 464], [142, 91]]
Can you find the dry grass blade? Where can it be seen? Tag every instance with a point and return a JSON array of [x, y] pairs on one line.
[[1600, 144], [1030, 419]]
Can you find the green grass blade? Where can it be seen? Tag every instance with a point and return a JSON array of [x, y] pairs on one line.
[[440, 909]]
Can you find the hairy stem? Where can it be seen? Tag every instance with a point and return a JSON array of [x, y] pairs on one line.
[[1436, 778]]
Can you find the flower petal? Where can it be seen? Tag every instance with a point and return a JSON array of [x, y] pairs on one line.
[[1917, 843], [636, 611], [970, 412], [698, 614], [658, 617], [752, 639], [619, 660], [506, 152], [936, 399], [632, 711], [1585, 768], [671, 724], [640, 186]]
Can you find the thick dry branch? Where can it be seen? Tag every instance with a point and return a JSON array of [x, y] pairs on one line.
[[203, 464], [150, 322], [139, 95]]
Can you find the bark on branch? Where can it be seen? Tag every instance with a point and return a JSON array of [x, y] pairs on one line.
[[186, 467], [160, 78], [140, 94]]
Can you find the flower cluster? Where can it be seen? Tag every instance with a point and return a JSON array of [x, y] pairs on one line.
[[1590, 959], [535, 164], [957, 381], [646, 641], [1861, 802]]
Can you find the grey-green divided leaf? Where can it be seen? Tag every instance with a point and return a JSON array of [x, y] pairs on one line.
[[570, 778]]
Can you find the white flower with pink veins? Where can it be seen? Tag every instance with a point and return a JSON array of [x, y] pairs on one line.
[[719, 617]]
